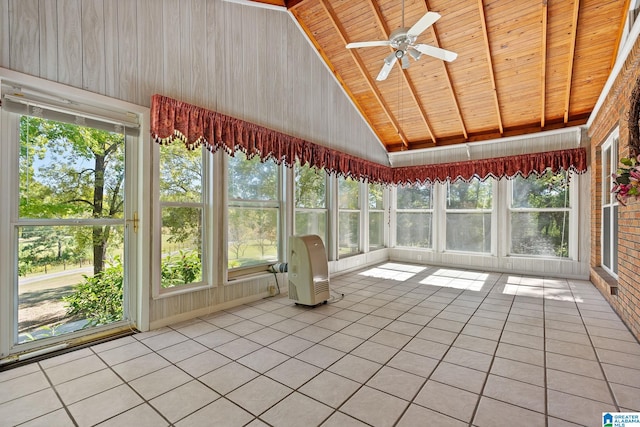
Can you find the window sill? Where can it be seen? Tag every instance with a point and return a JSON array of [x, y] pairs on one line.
[[604, 281]]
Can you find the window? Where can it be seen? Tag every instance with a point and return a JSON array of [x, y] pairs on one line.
[[66, 215], [539, 215], [348, 216], [609, 235], [310, 201], [182, 213], [376, 216], [253, 222], [414, 215], [468, 215]]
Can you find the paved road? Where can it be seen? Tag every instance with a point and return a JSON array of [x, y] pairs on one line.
[[53, 280]]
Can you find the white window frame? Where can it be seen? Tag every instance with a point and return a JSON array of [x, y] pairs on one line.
[[608, 200], [209, 272], [91, 106], [571, 210], [296, 209], [360, 211], [279, 205], [444, 211], [432, 211], [385, 218]]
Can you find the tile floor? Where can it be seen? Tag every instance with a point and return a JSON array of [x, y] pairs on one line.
[[406, 346]]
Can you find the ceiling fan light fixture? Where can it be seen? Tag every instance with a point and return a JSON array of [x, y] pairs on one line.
[[415, 54], [405, 62]]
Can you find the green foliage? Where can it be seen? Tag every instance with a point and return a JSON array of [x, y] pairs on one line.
[[99, 298], [310, 187], [415, 196], [181, 269]]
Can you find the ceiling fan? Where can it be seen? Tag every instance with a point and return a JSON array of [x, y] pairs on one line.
[[403, 40]]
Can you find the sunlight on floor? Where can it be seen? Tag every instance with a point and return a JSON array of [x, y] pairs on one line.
[[392, 271], [457, 279]]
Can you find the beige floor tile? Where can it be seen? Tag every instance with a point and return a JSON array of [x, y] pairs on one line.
[[622, 375], [476, 344], [216, 338], [375, 321], [575, 365], [493, 413], [481, 332], [67, 357], [446, 325], [355, 368], [459, 376], [338, 419], [320, 355], [374, 407], [396, 382], [164, 340], [360, 330], [221, 412], [197, 328], [468, 358], [405, 328], [238, 348], [297, 410], [23, 385], [515, 392], [293, 372], [95, 409], [329, 388], [375, 352], [74, 369], [437, 335], [520, 371], [579, 385], [521, 354], [184, 400], [262, 360], [391, 339], [159, 382], [628, 397], [427, 348], [29, 407], [417, 416], [342, 342], [244, 327], [58, 418], [124, 353], [87, 386], [313, 333], [259, 394], [576, 409], [228, 377], [614, 357], [333, 323], [523, 340], [266, 336], [181, 351], [140, 366], [413, 363], [202, 363], [448, 400], [291, 345]]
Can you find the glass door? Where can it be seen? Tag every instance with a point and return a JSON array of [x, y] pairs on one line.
[[68, 231]]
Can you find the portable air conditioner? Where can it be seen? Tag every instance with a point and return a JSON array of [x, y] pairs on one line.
[[308, 270]]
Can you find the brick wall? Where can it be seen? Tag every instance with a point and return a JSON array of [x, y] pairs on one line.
[[614, 113]]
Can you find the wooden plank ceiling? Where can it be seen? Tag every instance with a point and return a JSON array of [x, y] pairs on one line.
[[522, 66]]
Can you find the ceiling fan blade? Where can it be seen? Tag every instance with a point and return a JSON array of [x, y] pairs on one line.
[[389, 62], [405, 62], [436, 52], [423, 23], [368, 44]]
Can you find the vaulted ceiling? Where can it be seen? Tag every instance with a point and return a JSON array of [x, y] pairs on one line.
[[522, 66]]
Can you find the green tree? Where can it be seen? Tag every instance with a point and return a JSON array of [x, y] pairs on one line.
[[71, 171]]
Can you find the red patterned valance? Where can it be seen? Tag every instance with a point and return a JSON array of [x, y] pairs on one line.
[[498, 167], [172, 119]]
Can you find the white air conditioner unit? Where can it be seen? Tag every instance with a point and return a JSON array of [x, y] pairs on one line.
[[308, 270]]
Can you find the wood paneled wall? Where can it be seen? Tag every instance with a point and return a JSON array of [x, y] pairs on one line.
[[247, 62]]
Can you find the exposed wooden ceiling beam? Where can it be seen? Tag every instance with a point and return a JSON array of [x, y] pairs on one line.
[[412, 90], [543, 65], [572, 50], [363, 70], [448, 78], [494, 88]]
